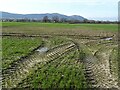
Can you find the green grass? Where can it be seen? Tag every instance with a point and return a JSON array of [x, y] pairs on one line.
[[57, 41], [15, 47], [64, 72], [109, 27]]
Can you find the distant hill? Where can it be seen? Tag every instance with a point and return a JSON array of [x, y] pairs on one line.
[[6, 15]]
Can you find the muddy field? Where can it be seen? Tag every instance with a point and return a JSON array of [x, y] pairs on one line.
[[73, 58]]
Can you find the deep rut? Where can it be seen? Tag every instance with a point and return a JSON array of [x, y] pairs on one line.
[[97, 70], [97, 65]]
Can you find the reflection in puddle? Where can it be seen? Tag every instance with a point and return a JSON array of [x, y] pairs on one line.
[[43, 49]]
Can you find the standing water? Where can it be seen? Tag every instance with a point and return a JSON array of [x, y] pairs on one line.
[[109, 38], [42, 50]]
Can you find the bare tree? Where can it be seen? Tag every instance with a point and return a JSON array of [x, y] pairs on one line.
[[63, 20], [55, 19], [45, 19]]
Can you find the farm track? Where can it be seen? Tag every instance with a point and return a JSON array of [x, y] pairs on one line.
[[95, 37], [104, 77], [21, 69], [97, 65], [97, 70], [25, 35]]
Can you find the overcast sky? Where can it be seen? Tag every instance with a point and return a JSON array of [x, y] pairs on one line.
[[91, 9]]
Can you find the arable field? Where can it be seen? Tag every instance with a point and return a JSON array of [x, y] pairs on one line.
[[59, 55], [59, 28]]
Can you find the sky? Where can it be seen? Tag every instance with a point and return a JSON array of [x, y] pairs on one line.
[[90, 9]]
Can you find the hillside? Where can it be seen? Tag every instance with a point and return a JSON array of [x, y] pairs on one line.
[[6, 15]]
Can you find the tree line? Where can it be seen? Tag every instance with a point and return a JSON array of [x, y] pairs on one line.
[[56, 19]]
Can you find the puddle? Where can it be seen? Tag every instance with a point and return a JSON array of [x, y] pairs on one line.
[[42, 50], [108, 38]]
